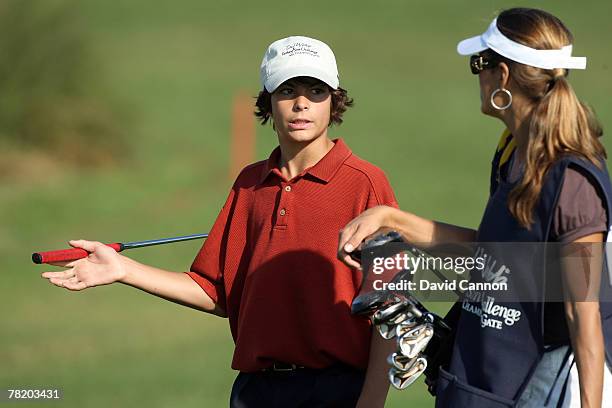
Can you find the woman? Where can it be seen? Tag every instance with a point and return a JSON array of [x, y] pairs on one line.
[[548, 184]]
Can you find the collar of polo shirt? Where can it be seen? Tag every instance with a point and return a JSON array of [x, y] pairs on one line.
[[324, 170]]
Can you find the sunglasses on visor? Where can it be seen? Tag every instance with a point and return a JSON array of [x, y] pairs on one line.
[[479, 63]]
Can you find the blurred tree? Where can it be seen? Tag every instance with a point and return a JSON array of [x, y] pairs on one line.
[[47, 74]]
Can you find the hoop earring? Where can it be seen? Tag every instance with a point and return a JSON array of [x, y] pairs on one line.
[[506, 106]]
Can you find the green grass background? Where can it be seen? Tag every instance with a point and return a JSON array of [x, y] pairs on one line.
[[176, 67]]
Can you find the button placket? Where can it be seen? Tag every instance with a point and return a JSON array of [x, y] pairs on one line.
[[283, 211]]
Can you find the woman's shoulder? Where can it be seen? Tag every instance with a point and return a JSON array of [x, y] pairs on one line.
[[581, 208]]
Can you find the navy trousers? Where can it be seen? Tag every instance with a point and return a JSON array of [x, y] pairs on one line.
[[337, 386]]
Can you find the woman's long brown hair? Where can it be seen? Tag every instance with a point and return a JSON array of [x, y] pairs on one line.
[[560, 123]]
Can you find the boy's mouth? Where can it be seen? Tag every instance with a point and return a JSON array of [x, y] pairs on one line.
[[299, 124]]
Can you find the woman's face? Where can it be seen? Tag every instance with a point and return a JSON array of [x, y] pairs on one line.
[[488, 83], [490, 79]]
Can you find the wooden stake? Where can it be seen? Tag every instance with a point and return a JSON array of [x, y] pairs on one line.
[[242, 146]]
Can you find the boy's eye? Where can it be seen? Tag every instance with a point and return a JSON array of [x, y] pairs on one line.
[[318, 91], [285, 91]]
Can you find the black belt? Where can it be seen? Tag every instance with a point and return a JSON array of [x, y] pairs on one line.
[[282, 367]]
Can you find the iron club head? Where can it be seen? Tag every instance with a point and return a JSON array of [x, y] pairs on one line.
[[407, 324], [400, 361], [414, 341], [401, 379], [386, 330], [392, 313]]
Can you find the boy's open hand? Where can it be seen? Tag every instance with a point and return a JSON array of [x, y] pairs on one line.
[[102, 267]]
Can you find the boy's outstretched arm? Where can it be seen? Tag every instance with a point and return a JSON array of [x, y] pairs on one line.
[[104, 266]]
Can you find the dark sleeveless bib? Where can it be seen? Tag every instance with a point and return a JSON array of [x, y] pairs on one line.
[[490, 366]]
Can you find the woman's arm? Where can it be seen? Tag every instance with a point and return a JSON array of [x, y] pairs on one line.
[[581, 272]]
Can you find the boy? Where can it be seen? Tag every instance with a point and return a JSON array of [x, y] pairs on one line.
[[269, 263]]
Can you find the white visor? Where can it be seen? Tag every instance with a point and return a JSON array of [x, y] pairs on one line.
[[495, 40]]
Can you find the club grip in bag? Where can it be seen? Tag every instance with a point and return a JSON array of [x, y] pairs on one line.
[[62, 255]]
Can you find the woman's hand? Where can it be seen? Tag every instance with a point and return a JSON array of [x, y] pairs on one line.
[[102, 266], [412, 228], [361, 228]]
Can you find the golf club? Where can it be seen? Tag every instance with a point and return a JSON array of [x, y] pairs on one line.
[[400, 361], [387, 330], [391, 313], [71, 254], [405, 326], [415, 340], [400, 379], [367, 303]]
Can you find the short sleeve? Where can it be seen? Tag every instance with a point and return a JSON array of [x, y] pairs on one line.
[[206, 269], [580, 209], [381, 192]]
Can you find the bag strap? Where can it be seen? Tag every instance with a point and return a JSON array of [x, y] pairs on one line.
[[564, 389], [560, 371]]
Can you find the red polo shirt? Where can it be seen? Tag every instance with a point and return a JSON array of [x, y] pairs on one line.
[[270, 261]]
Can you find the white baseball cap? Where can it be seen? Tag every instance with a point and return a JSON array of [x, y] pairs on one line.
[[498, 42], [298, 56]]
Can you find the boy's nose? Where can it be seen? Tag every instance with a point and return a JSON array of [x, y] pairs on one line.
[[301, 103]]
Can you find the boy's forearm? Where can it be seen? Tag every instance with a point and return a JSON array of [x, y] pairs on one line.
[[173, 286], [376, 385]]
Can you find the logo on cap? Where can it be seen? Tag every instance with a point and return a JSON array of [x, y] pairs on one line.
[[298, 49]]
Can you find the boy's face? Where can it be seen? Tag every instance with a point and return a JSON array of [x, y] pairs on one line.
[[301, 109]]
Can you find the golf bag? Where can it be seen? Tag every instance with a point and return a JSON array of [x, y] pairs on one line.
[[424, 339]]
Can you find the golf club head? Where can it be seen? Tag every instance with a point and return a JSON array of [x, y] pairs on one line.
[[404, 274], [416, 307], [401, 379], [383, 239], [392, 313], [414, 341], [438, 323], [425, 316], [386, 330], [400, 361], [378, 241], [367, 303], [406, 325]]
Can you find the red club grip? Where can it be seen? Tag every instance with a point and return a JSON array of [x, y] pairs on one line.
[[62, 255]]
